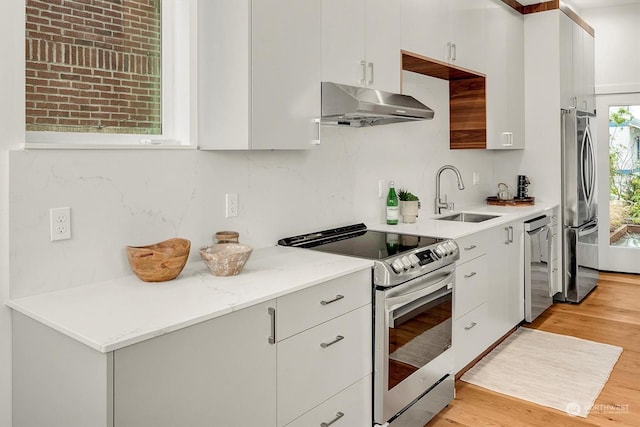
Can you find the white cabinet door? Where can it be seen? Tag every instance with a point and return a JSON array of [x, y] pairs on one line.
[[567, 97], [343, 33], [361, 43], [217, 373], [589, 71], [425, 28], [260, 88], [286, 67], [468, 34], [505, 77], [578, 65], [382, 44]]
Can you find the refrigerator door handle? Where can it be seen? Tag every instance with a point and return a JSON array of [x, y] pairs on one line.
[[587, 228]]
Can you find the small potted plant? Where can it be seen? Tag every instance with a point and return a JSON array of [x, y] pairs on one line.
[[409, 205]]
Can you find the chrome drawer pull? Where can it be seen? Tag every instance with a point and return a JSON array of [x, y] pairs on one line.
[[327, 344], [467, 276], [470, 247], [272, 314], [338, 416], [337, 298], [472, 325]]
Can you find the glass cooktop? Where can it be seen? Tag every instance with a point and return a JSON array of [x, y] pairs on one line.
[[357, 241]]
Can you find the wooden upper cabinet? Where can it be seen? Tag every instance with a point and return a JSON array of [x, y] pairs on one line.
[[258, 74], [361, 43]]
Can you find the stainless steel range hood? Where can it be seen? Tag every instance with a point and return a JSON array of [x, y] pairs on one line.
[[357, 106]]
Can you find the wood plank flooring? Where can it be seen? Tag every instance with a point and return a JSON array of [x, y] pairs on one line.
[[610, 315]]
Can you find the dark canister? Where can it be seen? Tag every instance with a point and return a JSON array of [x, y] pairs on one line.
[[523, 186]]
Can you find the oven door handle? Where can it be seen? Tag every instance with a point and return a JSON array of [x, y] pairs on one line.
[[416, 289], [418, 299]]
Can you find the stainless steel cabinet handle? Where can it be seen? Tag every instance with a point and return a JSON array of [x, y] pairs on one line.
[[510, 234], [448, 52], [363, 64], [471, 326], [470, 247], [473, 273], [454, 50], [506, 235], [337, 298], [338, 416], [316, 132], [272, 313], [370, 66], [327, 344]]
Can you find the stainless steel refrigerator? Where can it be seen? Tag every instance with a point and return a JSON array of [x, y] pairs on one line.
[[579, 206]]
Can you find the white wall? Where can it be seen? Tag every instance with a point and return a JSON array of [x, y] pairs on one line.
[[617, 74], [617, 44], [11, 113]]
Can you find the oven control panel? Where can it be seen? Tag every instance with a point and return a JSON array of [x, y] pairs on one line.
[[423, 257]]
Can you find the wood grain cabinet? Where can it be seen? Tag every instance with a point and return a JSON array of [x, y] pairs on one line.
[[258, 74], [361, 43]]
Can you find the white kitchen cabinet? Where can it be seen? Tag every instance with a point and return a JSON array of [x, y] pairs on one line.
[[576, 65], [361, 43], [323, 337], [451, 31], [206, 374], [258, 74], [471, 336], [505, 82]]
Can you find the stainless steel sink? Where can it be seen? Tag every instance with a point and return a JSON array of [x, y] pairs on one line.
[[467, 217]]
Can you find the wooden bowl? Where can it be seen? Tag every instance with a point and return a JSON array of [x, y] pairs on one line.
[[159, 262], [225, 259]]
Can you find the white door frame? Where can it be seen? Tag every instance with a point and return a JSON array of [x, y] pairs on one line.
[[611, 258]]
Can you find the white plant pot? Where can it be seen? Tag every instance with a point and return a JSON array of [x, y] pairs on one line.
[[409, 210]]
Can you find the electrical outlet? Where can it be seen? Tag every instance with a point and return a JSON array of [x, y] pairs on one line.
[[476, 178], [60, 223], [231, 202]]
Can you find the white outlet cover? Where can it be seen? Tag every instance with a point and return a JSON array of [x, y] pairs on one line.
[[60, 223]]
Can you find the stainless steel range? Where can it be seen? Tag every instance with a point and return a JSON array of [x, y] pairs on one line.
[[413, 280]]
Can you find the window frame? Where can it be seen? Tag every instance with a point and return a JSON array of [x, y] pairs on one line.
[[179, 94]]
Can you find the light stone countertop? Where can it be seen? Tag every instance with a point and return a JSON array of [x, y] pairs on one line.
[[117, 313], [427, 225]]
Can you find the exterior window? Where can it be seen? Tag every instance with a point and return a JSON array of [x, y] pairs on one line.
[[109, 72]]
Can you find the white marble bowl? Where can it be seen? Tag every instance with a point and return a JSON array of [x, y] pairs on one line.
[[225, 259]]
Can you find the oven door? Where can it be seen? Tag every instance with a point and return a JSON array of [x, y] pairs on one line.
[[413, 328]]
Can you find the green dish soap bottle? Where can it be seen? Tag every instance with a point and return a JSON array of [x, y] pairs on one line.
[[393, 210]]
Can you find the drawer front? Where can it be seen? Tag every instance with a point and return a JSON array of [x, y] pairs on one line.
[[317, 364], [351, 407], [470, 336], [472, 285], [472, 246], [309, 307]]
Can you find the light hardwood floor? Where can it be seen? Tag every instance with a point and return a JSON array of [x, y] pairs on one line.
[[611, 315]]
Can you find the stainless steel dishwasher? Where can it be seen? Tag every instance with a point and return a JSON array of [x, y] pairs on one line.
[[538, 295]]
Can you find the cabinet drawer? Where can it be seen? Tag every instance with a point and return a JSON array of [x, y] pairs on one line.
[[471, 285], [354, 403], [472, 246], [317, 364], [309, 307], [470, 336]]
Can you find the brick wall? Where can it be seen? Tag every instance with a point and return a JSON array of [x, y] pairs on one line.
[[93, 65]]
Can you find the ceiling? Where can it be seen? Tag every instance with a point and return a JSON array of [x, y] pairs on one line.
[[587, 4]]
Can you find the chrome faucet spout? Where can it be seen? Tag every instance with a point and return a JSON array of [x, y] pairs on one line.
[[441, 203]]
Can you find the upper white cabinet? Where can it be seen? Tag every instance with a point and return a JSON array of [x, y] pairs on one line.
[[505, 77], [361, 43], [451, 31], [576, 66], [258, 74]]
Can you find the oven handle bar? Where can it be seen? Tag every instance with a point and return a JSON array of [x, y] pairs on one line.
[[396, 309], [417, 288]]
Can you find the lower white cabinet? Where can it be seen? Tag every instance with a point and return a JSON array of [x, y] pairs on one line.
[[349, 408], [317, 364], [204, 375], [233, 370], [471, 335]]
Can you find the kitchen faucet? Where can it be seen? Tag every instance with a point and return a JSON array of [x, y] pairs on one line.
[[440, 203]]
